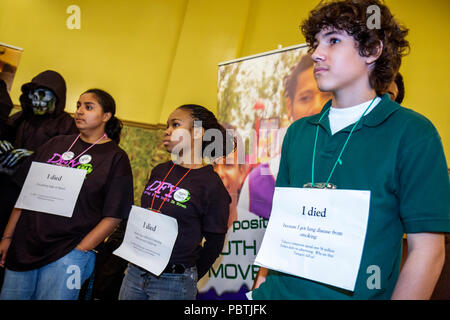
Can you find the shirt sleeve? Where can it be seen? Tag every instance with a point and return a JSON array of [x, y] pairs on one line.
[[212, 248], [215, 219], [119, 190], [424, 187]]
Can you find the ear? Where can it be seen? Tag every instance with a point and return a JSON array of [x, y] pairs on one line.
[[289, 108], [107, 116], [374, 57], [198, 132]]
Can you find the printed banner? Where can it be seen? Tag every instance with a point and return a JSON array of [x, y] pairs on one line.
[[9, 61]]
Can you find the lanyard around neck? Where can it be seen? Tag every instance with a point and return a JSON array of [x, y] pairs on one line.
[[343, 148], [76, 139], [171, 189]]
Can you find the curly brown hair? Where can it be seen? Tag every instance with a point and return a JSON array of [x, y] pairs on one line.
[[351, 16]]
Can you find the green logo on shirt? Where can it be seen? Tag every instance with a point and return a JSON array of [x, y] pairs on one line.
[[182, 195], [87, 167]]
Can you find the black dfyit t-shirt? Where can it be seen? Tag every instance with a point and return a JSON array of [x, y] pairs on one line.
[[41, 238], [200, 203]]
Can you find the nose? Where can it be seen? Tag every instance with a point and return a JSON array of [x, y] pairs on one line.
[[79, 110], [318, 54]]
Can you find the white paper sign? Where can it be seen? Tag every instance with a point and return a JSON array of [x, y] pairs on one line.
[[149, 239], [316, 234], [51, 189]]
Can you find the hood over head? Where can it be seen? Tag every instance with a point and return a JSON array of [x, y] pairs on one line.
[[51, 80]]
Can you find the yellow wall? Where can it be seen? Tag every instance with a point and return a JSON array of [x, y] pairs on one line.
[[157, 54]]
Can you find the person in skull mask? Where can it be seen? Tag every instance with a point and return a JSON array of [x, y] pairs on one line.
[[42, 117], [43, 101]]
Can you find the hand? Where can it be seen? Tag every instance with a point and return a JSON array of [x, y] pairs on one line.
[[4, 246], [13, 158], [80, 248], [5, 147]]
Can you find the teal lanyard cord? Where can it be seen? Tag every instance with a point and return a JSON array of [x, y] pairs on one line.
[[343, 148]]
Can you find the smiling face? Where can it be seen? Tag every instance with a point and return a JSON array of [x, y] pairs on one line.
[[338, 64], [89, 116]]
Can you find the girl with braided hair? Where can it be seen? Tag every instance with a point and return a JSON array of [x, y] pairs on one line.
[[196, 198]]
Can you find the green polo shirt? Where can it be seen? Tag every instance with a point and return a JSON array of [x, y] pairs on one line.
[[395, 153]]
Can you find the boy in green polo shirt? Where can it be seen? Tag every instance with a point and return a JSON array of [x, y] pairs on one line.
[[362, 141]]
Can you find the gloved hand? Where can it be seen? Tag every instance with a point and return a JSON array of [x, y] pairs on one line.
[[14, 157], [5, 148]]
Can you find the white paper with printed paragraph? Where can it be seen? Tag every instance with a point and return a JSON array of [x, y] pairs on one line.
[[51, 189], [317, 234], [149, 239]]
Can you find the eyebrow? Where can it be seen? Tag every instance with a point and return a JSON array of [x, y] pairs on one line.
[[86, 103], [304, 91], [172, 120], [333, 32]]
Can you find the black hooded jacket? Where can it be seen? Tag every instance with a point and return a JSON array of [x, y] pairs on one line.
[[26, 130], [29, 131]]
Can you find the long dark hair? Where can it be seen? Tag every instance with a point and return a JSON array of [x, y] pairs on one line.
[[209, 121], [114, 126]]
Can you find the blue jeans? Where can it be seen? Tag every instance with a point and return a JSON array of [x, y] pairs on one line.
[[140, 285], [59, 280]]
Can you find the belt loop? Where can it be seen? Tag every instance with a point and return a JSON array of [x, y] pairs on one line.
[[175, 268]]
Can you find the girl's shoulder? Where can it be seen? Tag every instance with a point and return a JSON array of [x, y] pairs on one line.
[[164, 166], [57, 142], [64, 138]]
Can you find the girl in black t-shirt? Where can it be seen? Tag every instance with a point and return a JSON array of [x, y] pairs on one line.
[[192, 193], [49, 256]]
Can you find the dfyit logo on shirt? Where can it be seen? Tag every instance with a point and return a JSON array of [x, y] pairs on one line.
[[63, 160], [177, 196], [66, 159], [164, 186]]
